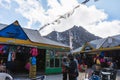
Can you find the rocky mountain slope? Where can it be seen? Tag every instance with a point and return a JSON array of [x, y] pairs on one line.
[[80, 36]]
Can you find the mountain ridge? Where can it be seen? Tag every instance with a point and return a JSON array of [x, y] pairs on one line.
[[80, 36]]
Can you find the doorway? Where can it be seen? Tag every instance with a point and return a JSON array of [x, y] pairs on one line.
[[41, 60]]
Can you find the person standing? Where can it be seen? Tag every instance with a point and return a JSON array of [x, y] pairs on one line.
[[65, 68], [72, 68]]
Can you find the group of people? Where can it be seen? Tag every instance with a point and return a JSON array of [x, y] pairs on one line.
[[70, 68], [71, 65], [103, 62]]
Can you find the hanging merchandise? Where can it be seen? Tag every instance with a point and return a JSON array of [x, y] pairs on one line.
[[34, 52], [5, 49], [18, 49], [23, 49], [12, 48], [13, 56], [33, 60], [10, 56], [27, 66], [32, 71], [1, 49]]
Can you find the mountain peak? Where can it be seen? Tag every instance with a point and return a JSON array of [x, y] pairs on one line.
[[80, 36]]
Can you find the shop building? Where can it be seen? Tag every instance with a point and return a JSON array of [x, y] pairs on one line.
[[108, 47], [18, 44]]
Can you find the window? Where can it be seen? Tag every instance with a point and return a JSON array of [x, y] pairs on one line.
[[57, 62], [53, 59], [52, 62]]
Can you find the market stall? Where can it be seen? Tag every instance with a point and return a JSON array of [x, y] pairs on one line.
[[18, 45], [109, 48]]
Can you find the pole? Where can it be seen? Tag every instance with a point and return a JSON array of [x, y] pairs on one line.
[[70, 41]]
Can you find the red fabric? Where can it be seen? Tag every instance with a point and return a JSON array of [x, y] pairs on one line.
[[64, 69], [27, 66], [34, 51], [80, 68], [13, 56], [1, 49], [102, 60]]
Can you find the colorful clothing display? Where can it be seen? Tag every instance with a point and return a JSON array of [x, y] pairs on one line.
[[1, 49], [34, 51], [33, 60], [27, 66], [10, 56], [13, 56]]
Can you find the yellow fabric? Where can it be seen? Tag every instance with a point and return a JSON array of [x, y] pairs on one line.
[[97, 61], [32, 72]]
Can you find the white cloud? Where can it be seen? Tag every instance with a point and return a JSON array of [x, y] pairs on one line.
[[32, 10], [82, 16], [91, 18], [60, 9], [5, 4], [105, 29]]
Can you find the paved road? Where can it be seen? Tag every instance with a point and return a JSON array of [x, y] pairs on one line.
[[59, 77], [52, 77], [48, 77], [118, 75]]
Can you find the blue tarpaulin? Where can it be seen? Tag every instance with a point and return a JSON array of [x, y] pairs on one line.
[[13, 31]]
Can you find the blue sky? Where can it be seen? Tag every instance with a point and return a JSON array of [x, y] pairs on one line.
[[110, 6], [100, 18]]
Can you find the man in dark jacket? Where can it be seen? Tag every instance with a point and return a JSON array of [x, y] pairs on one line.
[[72, 68]]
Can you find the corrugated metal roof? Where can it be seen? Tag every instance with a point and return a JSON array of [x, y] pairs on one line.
[[35, 36], [117, 37], [2, 26], [105, 42], [97, 43], [112, 43]]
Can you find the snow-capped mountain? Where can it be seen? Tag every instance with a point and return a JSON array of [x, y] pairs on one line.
[[79, 34]]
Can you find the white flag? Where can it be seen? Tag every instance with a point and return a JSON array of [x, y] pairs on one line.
[[71, 38]]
